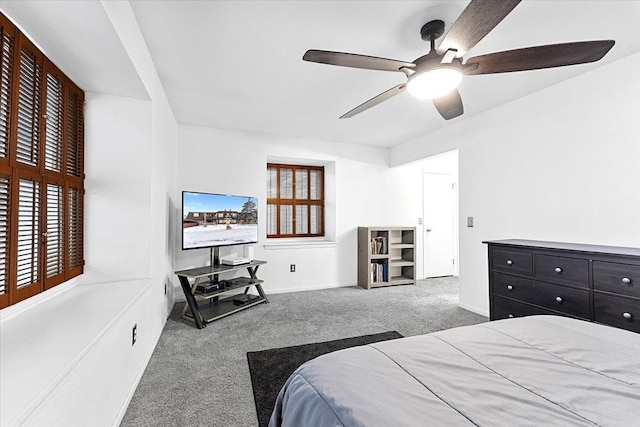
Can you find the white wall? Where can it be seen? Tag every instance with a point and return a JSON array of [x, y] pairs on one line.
[[367, 193], [560, 165], [118, 184]]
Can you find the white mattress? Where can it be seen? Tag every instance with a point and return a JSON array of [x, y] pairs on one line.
[[531, 371]]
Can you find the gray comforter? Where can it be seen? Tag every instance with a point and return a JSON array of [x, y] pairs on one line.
[[536, 371]]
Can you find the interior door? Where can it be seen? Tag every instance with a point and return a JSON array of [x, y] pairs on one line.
[[438, 228]]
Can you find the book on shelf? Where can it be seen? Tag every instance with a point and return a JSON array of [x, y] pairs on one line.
[[379, 272], [379, 245]]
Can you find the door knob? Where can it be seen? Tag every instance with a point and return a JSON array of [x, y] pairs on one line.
[[428, 230]]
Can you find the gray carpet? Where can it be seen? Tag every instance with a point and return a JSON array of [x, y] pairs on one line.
[[201, 377]]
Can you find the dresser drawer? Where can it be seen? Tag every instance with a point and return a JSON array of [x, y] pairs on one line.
[[513, 261], [562, 270], [574, 302], [504, 308], [617, 311], [617, 278]]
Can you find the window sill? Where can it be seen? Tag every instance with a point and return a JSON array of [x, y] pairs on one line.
[[300, 243]]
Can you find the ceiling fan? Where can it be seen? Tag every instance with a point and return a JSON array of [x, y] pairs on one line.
[[437, 74]]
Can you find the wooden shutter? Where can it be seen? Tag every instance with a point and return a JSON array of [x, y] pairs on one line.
[[7, 48], [29, 94], [74, 131], [53, 124], [74, 180], [28, 236], [295, 200], [5, 205], [74, 232], [316, 201], [41, 170], [54, 237]]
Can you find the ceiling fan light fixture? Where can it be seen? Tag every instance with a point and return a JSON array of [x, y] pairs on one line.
[[434, 83]]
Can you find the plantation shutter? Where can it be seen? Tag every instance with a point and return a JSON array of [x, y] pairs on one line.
[[41, 170], [7, 43], [5, 202], [54, 235], [74, 131], [29, 96], [53, 123], [295, 200], [272, 194], [74, 231], [28, 238]]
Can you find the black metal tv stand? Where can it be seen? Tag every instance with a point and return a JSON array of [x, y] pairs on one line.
[[209, 298]]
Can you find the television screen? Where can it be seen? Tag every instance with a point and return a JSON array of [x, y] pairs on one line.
[[210, 220]]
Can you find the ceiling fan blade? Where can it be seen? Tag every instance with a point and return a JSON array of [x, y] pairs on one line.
[[355, 61], [375, 100], [475, 22], [537, 57], [450, 105]]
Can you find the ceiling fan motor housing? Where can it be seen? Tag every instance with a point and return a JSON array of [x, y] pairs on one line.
[[432, 30]]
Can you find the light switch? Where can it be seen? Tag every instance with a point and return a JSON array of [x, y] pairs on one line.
[[469, 221]]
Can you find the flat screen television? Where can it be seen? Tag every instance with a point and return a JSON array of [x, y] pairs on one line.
[[213, 220]]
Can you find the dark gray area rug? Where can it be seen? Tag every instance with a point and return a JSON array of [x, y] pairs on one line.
[[270, 369]]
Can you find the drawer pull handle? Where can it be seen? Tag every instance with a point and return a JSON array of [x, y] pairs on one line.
[[558, 299], [626, 280], [509, 287], [558, 270], [627, 316], [511, 316], [509, 262]]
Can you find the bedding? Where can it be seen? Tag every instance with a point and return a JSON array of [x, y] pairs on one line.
[[537, 371]]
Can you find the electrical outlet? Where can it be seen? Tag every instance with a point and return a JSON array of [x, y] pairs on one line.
[[469, 221], [292, 268], [134, 333]]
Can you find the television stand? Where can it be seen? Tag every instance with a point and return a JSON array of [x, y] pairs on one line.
[[209, 298]]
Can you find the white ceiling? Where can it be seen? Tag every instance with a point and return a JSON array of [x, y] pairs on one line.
[[79, 38], [238, 64]]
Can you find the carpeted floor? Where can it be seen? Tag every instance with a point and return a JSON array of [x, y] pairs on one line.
[[270, 369], [201, 377]]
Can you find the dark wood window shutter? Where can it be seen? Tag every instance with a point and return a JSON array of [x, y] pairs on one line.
[[295, 200], [29, 104], [28, 237], [5, 202], [74, 231], [54, 126], [74, 131], [7, 48], [41, 170]]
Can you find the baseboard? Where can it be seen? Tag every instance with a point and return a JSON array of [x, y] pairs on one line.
[[473, 309], [307, 288]]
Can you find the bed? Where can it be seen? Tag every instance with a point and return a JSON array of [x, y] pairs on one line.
[[537, 370]]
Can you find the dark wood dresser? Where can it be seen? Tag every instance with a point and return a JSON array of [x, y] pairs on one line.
[[590, 282]]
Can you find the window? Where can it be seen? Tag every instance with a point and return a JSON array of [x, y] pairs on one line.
[[295, 200], [41, 170]]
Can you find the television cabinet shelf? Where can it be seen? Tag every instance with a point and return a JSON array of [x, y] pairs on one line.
[[224, 297], [386, 256]]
